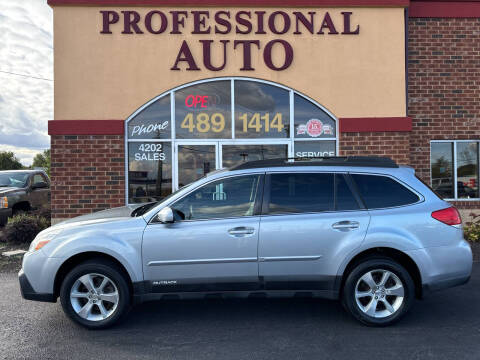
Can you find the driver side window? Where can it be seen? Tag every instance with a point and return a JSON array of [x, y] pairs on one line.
[[230, 197], [37, 178]]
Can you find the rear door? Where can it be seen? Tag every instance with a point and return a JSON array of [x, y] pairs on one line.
[[310, 222]]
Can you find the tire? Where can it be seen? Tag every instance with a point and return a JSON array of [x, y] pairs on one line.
[[115, 289], [371, 308]]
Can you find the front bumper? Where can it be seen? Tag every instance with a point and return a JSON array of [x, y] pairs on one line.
[[4, 215], [29, 294]]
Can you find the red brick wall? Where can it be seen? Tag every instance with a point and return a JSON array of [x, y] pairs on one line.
[[87, 174], [443, 86], [392, 144]]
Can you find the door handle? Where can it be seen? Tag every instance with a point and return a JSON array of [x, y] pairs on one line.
[[346, 225], [241, 231]]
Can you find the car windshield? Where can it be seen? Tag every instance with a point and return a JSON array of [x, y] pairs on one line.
[[144, 208], [16, 179]]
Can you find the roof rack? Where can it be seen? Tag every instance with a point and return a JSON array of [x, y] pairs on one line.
[[361, 161]]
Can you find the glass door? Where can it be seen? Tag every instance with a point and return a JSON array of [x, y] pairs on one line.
[[236, 154], [194, 160]]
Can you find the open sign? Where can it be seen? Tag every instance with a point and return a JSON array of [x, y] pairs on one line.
[[196, 101]]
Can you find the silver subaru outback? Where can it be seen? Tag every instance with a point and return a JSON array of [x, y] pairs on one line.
[[360, 229]]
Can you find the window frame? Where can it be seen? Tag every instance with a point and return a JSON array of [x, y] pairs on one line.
[[345, 174], [421, 198], [454, 163], [222, 141], [257, 205], [45, 178]]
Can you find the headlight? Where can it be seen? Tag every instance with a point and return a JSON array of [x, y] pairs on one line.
[[43, 239], [3, 202]]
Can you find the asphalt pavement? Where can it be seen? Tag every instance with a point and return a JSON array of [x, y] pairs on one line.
[[445, 325]]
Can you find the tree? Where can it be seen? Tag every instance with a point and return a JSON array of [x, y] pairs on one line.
[[8, 161], [42, 160]]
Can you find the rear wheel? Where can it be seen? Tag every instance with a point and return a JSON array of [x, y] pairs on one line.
[[378, 292], [95, 294]]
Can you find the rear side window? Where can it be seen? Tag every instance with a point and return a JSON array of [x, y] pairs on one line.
[[298, 193], [381, 191]]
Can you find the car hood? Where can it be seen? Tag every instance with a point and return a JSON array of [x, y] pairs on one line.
[[6, 190], [100, 216]]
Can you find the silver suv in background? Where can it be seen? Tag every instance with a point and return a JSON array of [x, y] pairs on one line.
[[360, 229]]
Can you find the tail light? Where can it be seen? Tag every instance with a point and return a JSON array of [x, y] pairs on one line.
[[449, 216]]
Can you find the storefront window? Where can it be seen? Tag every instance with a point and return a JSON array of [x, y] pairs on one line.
[[153, 122], [304, 149], [455, 162], [311, 121], [261, 111], [467, 170], [204, 111], [188, 132], [149, 171]]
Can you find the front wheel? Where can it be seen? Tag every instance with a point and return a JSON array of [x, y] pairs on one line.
[[378, 292], [95, 294]]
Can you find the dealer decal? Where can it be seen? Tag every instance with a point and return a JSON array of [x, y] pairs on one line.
[[314, 128]]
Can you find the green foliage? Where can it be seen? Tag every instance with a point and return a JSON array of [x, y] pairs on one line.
[[42, 160], [22, 228], [471, 229], [8, 161], [44, 212]]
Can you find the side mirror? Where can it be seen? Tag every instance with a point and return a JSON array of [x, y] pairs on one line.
[[39, 185], [165, 216]]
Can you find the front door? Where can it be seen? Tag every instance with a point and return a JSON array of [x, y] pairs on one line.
[[311, 222], [212, 245], [39, 197]]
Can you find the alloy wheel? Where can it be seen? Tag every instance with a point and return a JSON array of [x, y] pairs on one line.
[[379, 293], [94, 297]]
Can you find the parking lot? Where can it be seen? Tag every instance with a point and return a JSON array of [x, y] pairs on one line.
[[443, 326]]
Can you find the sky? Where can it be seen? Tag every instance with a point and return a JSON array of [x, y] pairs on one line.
[[26, 103]]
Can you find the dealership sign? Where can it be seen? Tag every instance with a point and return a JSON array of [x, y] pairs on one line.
[[218, 23]]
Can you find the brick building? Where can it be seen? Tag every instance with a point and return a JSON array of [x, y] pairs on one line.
[[152, 94]]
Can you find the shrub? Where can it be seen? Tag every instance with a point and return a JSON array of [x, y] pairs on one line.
[[22, 228], [44, 212], [472, 228]]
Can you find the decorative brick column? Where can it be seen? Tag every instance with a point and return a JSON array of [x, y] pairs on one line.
[[443, 85], [88, 171], [391, 144], [87, 174], [389, 136]]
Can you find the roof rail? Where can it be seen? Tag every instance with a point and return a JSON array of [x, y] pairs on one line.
[[361, 161]]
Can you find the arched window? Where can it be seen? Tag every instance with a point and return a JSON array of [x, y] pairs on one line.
[[182, 134]]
